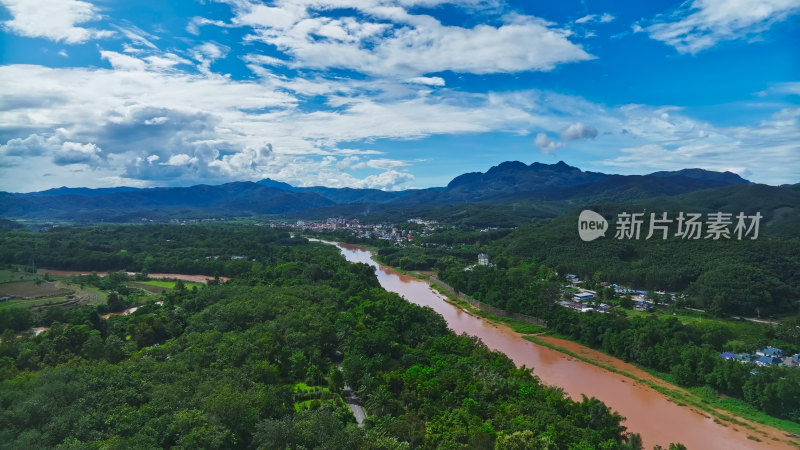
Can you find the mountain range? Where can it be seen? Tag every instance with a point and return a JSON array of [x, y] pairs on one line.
[[557, 185]]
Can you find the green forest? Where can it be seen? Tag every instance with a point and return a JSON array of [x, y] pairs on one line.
[[254, 362]]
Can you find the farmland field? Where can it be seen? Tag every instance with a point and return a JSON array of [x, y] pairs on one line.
[[46, 301], [32, 289]]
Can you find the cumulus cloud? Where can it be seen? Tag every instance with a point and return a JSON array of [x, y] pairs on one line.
[[77, 153], [547, 145], [575, 131], [385, 180], [181, 159], [33, 145], [701, 24], [141, 118], [58, 147], [578, 130], [388, 40], [56, 20], [248, 159]]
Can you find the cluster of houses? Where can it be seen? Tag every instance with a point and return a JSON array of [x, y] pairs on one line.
[[767, 356], [642, 298], [581, 299], [581, 307], [387, 232]]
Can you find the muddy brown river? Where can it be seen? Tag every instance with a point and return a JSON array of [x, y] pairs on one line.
[[647, 412]]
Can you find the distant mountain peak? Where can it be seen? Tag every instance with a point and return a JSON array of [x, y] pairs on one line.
[[269, 182], [515, 176], [705, 175], [562, 164]]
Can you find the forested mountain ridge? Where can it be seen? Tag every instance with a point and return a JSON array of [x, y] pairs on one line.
[[231, 199], [505, 183]]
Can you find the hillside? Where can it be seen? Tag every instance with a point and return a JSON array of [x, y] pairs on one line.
[[543, 190]]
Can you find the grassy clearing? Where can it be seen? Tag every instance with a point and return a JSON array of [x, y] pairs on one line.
[[160, 286], [160, 283], [516, 325], [744, 330], [170, 284], [336, 401], [302, 387], [7, 276]]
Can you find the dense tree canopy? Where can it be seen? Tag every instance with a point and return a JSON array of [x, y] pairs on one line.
[[253, 363]]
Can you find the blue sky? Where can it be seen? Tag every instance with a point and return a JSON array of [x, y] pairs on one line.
[[392, 94]]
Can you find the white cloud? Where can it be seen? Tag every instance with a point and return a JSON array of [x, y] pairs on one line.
[[195, 23], [385, 180], [54, 19], [137, 35], [150, 121], [263, 60], [158, 124], [77, 153], [123, 62], [430, 81], [703, 23], [156, 120], [57, 146], [247, 159], [181, 159], [766, 149], [603, 18], [207, 53], [389, 41], [380, 163], [547, 145], [165, 61], [791, 88], [579, 130]]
